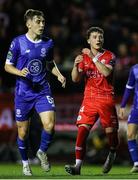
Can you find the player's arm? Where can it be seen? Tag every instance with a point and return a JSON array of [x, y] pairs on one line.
[[55, 71], [76, 73], [13, 70], [103, 69], [128, 90], [11, 60]]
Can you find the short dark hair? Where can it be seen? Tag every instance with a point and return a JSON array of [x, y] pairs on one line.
[[94, 29], [30, 13]]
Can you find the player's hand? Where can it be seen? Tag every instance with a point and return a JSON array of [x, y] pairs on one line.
[[86, 51], [121, 113], [24, 72], [78, 59], [62, 79]]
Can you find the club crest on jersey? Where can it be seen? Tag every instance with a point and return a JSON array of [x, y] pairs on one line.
[[43, 52], [35, 67], [18, 113]]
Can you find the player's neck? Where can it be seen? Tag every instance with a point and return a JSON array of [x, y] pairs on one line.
[[33, 36], [94, 52]]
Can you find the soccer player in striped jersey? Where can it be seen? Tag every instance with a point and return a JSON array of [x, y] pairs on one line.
[[96, 66], [132, 86], [30, 56]]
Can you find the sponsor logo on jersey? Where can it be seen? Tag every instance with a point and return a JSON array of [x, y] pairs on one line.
[[93, 74], [35, 67]]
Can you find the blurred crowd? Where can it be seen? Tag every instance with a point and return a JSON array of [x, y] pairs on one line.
[[67, 22]]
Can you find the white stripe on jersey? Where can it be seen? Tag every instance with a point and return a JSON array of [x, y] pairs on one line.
[[8, 61], [129, 87]]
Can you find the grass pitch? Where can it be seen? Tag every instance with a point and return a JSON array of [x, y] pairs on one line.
[[14, 171]]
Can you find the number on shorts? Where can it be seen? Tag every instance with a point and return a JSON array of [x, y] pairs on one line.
[[50, 99]]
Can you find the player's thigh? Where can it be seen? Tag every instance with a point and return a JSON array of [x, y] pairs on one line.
[[87, 113], [47, 118], [132, 131], [108, 114], [133, 117]]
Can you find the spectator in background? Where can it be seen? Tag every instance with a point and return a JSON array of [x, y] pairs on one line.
[[27, 58], [123, 64], [134, 45], [97, 68], [132, 127]]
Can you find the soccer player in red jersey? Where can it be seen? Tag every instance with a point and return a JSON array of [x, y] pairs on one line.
[[96, 65]]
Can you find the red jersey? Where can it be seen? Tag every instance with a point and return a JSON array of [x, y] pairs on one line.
[[96, 84]]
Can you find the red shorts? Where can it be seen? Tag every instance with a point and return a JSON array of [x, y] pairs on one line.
[[94, 108]]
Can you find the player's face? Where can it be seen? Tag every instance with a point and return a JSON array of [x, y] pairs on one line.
[[36, 25], [96, 40]]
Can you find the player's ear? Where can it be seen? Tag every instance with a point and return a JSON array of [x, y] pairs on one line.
[[28, 24], [88, 41]]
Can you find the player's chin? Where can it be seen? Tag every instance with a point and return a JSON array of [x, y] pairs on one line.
[[98, 47], [40, 32]]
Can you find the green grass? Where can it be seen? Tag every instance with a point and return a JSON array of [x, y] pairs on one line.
[[14, 171]]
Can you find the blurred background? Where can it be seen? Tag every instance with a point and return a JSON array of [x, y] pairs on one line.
[[67, 22]]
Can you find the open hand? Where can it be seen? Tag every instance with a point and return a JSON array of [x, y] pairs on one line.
[[62, 79], [78, 59]]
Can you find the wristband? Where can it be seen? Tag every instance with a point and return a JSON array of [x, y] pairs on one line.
[[95, 59]]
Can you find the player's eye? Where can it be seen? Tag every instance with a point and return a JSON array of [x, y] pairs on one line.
[[38, 21], [101, 37], [94, 37], [43, 22]]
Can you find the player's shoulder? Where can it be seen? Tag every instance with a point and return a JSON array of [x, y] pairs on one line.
[[47, 39], [109, 54], [18, 38], [134, 67], [15, 42]]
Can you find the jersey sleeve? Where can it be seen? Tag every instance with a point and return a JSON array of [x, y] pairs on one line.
[[131, 80], [112, 60], [13, 52], [129, 87]]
